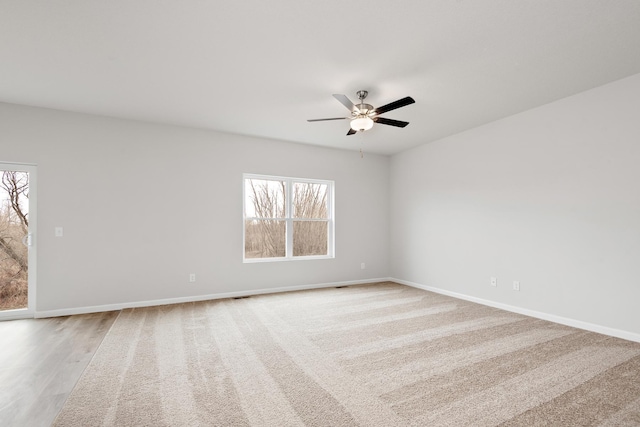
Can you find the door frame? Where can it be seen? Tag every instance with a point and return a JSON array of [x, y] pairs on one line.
[[29, 312]]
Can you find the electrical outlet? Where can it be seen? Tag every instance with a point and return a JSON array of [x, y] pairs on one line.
[[362, 266], [516, 285], [59, 232], [494, 281], [192, 278]]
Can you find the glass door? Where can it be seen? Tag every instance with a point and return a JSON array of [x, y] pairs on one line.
[[17, 240]]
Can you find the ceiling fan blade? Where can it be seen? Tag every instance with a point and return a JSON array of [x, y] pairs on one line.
[[346, 102], [351, 132], [407, 100], [390, 122], [323, 120]]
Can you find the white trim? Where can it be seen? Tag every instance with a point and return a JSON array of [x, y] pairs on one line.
[[17, 314], [630, 336], [288, 213], [285, 259], [179, 300]]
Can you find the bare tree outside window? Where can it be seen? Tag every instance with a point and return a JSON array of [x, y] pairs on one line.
[[286, 218], [14, 225], [265, 231], [310, 219]]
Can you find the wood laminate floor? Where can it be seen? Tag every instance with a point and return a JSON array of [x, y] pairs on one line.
[[40, 362]]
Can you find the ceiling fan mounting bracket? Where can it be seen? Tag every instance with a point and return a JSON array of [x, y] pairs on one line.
[[362, 94]]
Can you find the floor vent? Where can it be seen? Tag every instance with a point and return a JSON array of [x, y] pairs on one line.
[[340, 287], [246, 296]]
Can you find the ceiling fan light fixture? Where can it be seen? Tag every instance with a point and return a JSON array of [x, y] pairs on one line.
[[361, 123]]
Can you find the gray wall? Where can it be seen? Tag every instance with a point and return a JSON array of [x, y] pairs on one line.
[[144, 205], [549, 197]]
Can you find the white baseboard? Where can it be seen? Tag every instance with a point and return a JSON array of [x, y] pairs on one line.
[[630, 336], [151, 303], [532, 313], [18, 314]]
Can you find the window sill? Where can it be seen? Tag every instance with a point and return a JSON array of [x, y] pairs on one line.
[[284, 259]]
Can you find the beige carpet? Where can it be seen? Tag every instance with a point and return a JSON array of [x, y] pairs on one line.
[[369, 355]]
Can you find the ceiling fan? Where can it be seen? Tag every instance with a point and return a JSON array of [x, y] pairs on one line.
[[364, 115]]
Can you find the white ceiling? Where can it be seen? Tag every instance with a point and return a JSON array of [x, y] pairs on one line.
[[262, 68]]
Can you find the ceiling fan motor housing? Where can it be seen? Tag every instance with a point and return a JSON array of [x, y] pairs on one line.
[[362, 109]]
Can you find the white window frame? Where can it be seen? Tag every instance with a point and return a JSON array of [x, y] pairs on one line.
[[289, 219]]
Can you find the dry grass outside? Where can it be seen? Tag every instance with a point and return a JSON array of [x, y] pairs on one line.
[[266, 238], [13, 259], [13, 293]]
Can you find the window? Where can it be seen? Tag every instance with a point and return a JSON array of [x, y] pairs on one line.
[[287, 218]]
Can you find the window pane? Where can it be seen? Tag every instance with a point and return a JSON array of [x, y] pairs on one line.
[[309, 238], [309, 200], [264, 198], [264, 239]]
